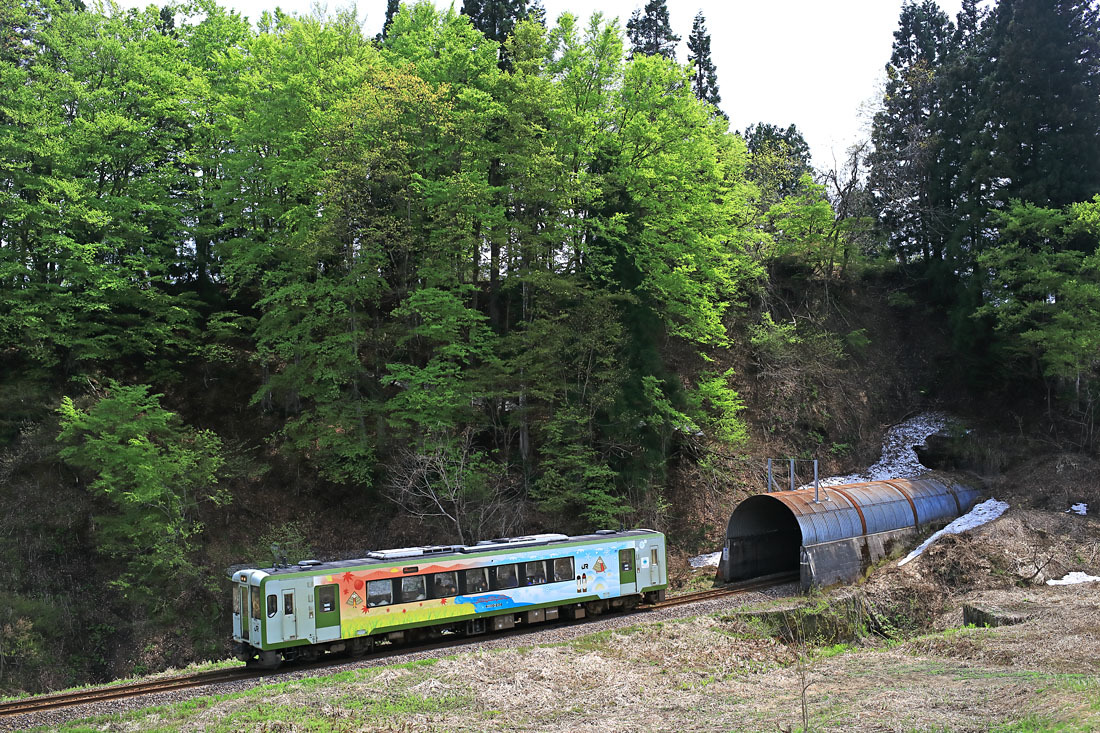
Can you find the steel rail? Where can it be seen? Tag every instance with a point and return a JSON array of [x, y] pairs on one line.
[[41, 703], [745, 586], [44, 703]]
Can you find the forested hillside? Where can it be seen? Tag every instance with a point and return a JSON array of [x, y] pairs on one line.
[[488, 272]]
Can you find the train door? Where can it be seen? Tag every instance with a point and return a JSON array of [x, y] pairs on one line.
[[290, 617], [328, 612], [628, 574], [240, 610], [654, 566]]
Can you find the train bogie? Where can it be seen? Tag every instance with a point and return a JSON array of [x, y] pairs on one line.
[[302, 611]]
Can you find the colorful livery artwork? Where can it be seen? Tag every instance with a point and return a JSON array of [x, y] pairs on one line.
[[304, 610]]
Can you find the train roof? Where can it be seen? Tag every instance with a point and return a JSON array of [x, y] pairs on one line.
[[437, 552]]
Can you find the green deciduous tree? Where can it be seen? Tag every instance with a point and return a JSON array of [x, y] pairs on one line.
[[808, 232], [1044, 292], [93, 187], [1044, 299], [151, 471], [311, 283], [423, 252]]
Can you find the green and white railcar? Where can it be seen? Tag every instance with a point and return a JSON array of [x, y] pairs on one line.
[[302, 611]]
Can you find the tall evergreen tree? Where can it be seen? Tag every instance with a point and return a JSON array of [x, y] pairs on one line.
[[904, 145], [705, 81], [1040, 111], [495, 18], [392, 7], [958, 198], [536, 12], [650, 32]]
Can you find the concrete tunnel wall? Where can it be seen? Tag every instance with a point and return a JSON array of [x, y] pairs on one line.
[[833, 540]]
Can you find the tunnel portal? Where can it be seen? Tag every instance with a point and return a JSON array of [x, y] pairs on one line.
[[831, 535]]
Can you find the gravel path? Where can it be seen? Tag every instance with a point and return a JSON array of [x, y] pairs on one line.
[[551, 634]]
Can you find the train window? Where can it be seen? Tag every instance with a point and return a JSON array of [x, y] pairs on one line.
[[653, 559], [288, 603], [477, 580], [412, 589], [272, 605], [626, 561], [563, 569], [505, 577], [444, 585], [255, 603], [535, 572], [236, 602], [326, 598], [379, 593]]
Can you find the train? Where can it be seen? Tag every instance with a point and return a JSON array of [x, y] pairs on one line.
[[300, 612]]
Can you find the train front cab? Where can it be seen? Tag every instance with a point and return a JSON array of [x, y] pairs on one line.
[[259, 620], [248, 616], [284, 616]]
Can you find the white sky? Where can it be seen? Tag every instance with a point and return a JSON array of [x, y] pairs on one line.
[[813, 63]]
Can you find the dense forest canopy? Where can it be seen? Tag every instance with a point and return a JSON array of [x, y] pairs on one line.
[[489, 263], [448, 260], [459, 253], [984, 173]]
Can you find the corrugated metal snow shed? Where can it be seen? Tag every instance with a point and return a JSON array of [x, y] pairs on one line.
[[834, 537]]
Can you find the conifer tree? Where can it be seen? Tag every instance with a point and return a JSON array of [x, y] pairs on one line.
[[705, 81], [904, 144], [959, 199], [536, 12], [650, 32], [495, 18], [392, 6], [1040, 105]]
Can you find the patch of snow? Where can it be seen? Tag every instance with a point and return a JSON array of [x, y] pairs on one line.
[[987, 511], [1074, 578], [898, 460], [1081, 509], [710, 560]]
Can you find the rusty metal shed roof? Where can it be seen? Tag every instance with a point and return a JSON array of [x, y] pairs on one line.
[[852, 510]]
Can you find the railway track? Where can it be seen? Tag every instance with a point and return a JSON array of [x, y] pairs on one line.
[[88, 695], [44, 703], [746, 586]]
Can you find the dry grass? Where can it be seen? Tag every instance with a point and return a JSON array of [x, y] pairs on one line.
[[701, 674]]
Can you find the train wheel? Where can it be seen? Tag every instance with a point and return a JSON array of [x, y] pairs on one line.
[[265, 660]]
